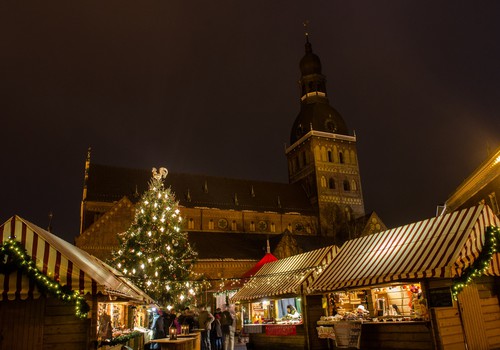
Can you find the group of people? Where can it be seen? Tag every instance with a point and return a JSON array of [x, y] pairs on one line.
[[162, 321], [217, 330]]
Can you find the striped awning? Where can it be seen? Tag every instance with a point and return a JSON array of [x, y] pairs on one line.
[[286, 276], [63, 262], [439, 247]]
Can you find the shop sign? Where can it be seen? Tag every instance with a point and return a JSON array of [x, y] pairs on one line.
[[281, 330]]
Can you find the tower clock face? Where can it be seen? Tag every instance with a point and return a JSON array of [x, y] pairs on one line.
[[262, 225], [330, 126], [222, 223]]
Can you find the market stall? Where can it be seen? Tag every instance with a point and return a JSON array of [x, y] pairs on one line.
[[58, 294], [279, 311], [406, 281]]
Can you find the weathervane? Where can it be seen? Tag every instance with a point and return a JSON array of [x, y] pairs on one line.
[[158, 175]]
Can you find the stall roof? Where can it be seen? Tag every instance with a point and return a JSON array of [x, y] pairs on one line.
[[439, 247], [286, 276], [64, 262]]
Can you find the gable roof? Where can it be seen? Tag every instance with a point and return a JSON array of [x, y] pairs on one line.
[[64, 262], [108, 184], [439, 247], [286, 276]]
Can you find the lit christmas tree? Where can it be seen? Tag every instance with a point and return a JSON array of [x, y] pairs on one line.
[[154, 252]]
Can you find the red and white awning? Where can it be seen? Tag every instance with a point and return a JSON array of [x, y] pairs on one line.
[[439, 247], [63, 262], [286, 276]]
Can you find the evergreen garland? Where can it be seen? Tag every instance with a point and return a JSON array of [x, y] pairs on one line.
[[481, 264], [13, 254], [122, 339]]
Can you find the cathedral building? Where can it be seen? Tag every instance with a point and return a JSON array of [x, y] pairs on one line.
[[230, 222]]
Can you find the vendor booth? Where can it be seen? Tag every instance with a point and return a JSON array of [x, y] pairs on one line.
[[278, 309], [57, 296], [427, 285]]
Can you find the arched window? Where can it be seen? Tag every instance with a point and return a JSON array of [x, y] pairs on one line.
[[317, 154], [273, 227], [190, 224], [341, 157], [330, 157], [347, 187], [353, 157], [354, 186], [347, 157], [211, 224], [233, 225], [323, 154], [323, 181], [252, 226], [331, 183]]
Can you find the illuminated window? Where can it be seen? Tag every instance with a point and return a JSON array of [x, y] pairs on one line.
[[347, 157], [190, 224], [323, 153], [233, 226], [252, 226], [211, 224], [323, 181], [354, 186], [273, 227]]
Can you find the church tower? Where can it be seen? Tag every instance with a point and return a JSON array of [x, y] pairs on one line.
[[322, 156]]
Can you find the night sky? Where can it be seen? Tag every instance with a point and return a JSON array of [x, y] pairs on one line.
[[210, 87]]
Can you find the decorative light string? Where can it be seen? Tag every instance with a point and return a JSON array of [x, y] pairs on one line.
[[19, 258], [481, 265]]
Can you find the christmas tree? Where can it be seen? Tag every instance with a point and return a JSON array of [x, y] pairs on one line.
[[154, 252]]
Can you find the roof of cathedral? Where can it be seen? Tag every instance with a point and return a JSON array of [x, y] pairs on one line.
[[242, 246], [108, 184]]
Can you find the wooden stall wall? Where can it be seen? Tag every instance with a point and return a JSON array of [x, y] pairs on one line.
[[448, 330], [313, 312], [21, 324], [488, 290], [44, 323], [62, 329]]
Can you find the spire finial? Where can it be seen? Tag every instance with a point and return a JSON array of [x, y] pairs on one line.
[[306, 32]]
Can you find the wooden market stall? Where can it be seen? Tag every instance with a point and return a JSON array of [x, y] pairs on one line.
[[272, 289], [57, 296], [419, 285]]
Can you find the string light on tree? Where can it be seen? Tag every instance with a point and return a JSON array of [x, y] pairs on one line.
[[163, 257]]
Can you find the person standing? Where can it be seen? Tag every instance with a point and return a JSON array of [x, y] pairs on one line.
[[205, 320], [228, 321]]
